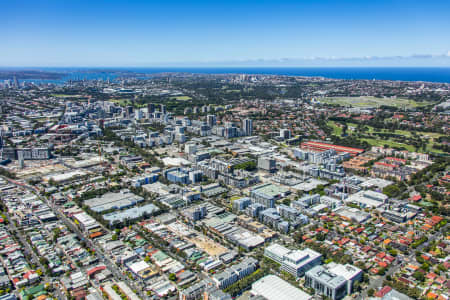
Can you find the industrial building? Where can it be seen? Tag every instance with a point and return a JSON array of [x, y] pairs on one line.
[[113, 201], [370, 199], [272, 287]]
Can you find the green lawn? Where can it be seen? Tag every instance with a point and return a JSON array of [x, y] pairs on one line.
[[121, 102], [181, 98], [65, 96], [406, 133], [336, 129], [379, 142], [370, 101], [390, 143], [235, 198]]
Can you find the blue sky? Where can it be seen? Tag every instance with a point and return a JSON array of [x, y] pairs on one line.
[[287, 33]]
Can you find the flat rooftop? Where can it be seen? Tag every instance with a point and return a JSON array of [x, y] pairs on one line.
[[274, 288], [327, 277], [271, 190], [113, 201], [132, 213]]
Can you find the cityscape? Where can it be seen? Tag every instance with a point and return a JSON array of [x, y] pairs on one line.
[[225, 150], [191, 186]]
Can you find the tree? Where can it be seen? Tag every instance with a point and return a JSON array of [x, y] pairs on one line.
[[172, 277], [56, 233], [391, 190], [419, 276], [357, 286]]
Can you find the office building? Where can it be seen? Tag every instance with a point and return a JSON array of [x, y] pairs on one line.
[[213, 293], [177, 176], [190, 149], [195, 176], [241, 204], [235, 273], [285, 134], [306, 201], [247, 126], [195, 291], [333, 280], [129, 111], [26, 153], [267, 164], [195, 213], [150, 108], [295, 262], [231, 131], [211, 120], [267, 194], [254, 209]]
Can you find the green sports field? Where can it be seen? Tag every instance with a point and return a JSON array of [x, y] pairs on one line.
[[370, 101]]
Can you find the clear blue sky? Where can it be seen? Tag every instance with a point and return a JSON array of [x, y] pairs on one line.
[[147, 33]]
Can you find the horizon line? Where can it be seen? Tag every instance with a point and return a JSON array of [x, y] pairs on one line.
[[219, 66]]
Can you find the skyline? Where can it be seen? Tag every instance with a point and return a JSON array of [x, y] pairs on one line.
[[198, 33]]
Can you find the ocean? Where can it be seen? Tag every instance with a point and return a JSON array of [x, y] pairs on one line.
[[429, 74]]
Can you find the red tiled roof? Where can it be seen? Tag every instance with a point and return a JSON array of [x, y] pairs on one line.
[[396, 159], [385, 165], [436, 219], [389, 258], [95, 270], [326, 146], [383, 291], [416, 197]]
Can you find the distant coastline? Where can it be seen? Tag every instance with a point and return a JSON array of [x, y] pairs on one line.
[[426, 74]]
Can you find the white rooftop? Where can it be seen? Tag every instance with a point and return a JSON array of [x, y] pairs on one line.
[[175, 161], [275, 288], [139, 266], [367, 198], [278, 250], [347, 271], [378, 182], [301, 257]]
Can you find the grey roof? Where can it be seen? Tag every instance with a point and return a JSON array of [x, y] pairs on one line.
[[132, 213], [274, 288], [321, 274]]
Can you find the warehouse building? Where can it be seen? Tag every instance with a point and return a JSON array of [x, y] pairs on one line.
[[272, 287]]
